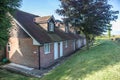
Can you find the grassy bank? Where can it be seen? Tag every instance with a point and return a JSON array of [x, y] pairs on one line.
[[101, 62]]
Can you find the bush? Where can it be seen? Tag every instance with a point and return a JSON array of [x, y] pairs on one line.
[[5, 60], [115, 39], [2, 54]]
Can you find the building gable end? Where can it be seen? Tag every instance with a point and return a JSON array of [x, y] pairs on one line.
[[35, 42]]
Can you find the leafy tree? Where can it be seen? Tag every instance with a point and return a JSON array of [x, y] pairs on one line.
[[89, 16], [109, 30], [5, 21]]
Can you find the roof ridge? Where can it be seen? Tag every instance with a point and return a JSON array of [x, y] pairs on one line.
[[47, 16], [27, 13]]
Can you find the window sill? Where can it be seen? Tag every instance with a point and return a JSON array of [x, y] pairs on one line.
[[47, 52]]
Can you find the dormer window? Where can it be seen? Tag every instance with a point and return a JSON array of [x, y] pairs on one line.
[[46, 22], [51, 26]]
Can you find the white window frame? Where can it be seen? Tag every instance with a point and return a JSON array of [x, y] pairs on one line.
[[51, 26], [8, 47], [66, 44], [47, 48]]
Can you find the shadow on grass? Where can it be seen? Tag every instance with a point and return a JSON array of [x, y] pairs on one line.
[[84, 63]]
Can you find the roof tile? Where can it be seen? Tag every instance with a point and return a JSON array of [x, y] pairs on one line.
[[37, 32]]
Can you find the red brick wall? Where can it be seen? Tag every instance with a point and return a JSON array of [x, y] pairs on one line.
[[23, 52], [69, 49], [47, 59]]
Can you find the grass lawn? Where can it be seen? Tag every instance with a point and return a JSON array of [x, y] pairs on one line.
[[99, 63]]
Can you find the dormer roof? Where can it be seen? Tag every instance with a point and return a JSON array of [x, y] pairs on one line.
[[43, 19]]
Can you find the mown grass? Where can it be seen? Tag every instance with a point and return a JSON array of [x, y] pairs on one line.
[[101, 62]]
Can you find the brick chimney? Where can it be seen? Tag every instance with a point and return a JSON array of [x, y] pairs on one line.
[[66, 25], [67, 28]]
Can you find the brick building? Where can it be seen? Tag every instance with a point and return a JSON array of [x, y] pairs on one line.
[[36, 42]]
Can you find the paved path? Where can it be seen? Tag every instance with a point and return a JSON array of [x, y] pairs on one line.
[[25, 70]]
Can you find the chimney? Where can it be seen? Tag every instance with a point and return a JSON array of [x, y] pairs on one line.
[[36, 20], [66, 25], [66, 28]]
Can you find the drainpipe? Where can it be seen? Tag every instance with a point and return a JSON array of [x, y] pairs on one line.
[[39, 57]]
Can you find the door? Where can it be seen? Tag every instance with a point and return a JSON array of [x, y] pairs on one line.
[[74, 44], [61, 49], [79, 43], [55, 50]]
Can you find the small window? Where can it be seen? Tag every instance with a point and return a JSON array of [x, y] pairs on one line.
[[47, 48], [8, 47], [66, 44], [51, 26]]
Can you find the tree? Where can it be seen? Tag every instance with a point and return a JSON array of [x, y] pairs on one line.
[[109, 30], [89, 16], [5, 21]]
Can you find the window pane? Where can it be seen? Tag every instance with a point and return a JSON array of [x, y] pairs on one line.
[[46, 48], [51, 26], [8, 47]]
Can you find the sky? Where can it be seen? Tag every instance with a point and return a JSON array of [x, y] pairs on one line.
[[116, 24], [48, 7], [41, 7]]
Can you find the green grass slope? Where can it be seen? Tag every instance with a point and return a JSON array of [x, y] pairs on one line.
[[101, 62]]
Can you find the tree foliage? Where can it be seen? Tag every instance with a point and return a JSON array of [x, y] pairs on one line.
[[89, 16], [5, 7]]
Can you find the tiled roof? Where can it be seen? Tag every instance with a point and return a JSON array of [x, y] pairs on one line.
[[37, 32], [43, 19]]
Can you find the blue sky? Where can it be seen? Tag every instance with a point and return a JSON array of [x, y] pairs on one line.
[[41, 7], [48, 7], [116, 24]]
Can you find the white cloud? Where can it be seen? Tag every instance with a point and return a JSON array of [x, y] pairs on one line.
[[116, 27]]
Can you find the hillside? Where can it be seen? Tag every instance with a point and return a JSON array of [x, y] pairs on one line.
[[101, 62]]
